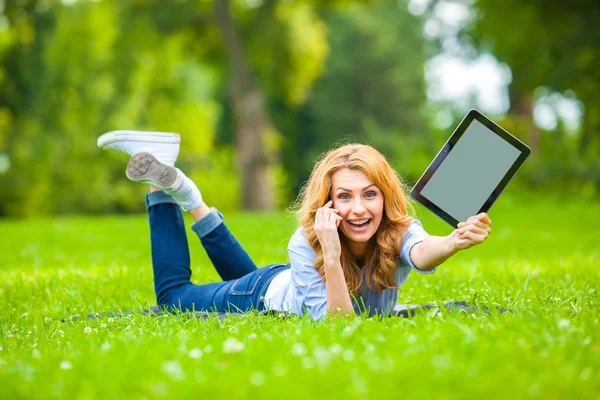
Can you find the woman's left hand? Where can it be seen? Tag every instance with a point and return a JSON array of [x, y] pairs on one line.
[[472, 232]]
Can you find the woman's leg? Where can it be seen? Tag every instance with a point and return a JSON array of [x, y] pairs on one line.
[[171, 262], [170, 252], [227, 255], [229, 258]]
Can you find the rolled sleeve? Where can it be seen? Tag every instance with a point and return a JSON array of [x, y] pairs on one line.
[[414, 235], [310, 293]]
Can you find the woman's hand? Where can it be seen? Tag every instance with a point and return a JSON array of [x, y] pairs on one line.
[[472, 232], [326, 225]]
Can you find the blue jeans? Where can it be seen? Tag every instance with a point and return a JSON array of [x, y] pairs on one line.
[[243, 286]]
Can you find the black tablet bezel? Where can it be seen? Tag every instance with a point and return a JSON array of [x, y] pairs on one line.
[[443, 153]]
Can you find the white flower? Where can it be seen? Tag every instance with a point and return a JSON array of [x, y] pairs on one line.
[[103, 326], [257, 378], [564, 323], [87, 330], [279, 370], [585, 374], [348, 355], [174, 370], [66, 364], [252, 336], [298, 349], [36, 353], [105, 346], [307, 362], [110, 320], [335, 348], [232, 345], [195, 353]]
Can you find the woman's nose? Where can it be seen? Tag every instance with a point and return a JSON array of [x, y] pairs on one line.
[[358, 207]]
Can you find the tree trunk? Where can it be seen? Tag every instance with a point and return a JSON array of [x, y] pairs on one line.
[[521, 105], [251, 119], [589, 125]]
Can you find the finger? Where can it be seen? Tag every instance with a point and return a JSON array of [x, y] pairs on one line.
[[331, 217], [319, 215], [483, 217], [474, 229], [328, 204], [474, 221], [475, 238], [478, 224]]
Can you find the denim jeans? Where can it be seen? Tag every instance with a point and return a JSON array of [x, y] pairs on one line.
[[243, 286]]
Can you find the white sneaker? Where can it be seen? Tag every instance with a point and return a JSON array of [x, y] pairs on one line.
[[162, 145], [144, 167]]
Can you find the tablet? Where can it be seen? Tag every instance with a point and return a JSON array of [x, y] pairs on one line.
[[471, 170]]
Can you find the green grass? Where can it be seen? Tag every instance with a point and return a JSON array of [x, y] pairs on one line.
[[542, 260]]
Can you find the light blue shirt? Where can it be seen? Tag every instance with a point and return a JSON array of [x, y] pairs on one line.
[[308, 290]]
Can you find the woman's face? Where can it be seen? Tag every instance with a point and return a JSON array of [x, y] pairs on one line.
[[360, 204]]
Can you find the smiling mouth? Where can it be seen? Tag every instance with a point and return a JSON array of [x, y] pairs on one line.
[[359, 224]]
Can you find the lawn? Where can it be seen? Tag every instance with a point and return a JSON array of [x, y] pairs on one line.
[[542, 261]]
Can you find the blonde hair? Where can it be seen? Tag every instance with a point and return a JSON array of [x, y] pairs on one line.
[[382, 253]]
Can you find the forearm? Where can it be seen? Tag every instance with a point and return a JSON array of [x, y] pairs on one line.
[[433, 251], [337, 290]]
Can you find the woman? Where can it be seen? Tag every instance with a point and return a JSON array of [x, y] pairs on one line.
[[354, 249]]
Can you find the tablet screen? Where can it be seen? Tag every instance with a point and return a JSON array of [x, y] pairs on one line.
[[471, 171]]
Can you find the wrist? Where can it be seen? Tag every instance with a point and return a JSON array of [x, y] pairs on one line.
[[452, 244], [331, 260]]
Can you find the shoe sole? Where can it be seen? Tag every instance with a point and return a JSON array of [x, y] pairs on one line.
[[144, 167], [138, 136]]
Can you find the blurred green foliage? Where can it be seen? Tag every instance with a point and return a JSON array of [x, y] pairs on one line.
[[353, 70], [550, 47]]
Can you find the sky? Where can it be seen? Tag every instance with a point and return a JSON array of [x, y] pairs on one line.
[[468, 80]]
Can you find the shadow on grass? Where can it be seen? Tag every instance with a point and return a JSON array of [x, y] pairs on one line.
[[400, 310]]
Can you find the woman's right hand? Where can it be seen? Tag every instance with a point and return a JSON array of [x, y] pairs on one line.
[[326, 225]]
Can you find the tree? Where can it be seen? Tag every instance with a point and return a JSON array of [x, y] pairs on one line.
[[73, 72], [550, 44], [372, 90]]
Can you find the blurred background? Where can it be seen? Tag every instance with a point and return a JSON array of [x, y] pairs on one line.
[[258, 89]]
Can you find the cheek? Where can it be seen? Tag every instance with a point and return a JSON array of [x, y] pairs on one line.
[[378, 210], [341, 207]]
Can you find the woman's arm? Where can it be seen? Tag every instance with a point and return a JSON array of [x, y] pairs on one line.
[[434, 250], [338, 297], [326, 227]]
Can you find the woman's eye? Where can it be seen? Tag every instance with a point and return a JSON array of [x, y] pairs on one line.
[[343, 196], [370, 194]]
